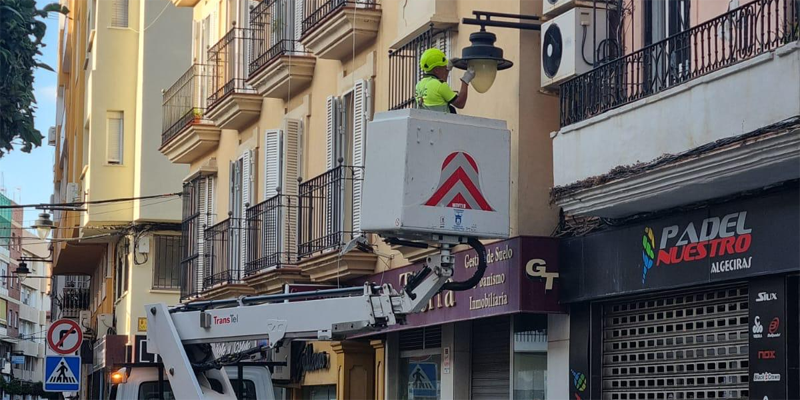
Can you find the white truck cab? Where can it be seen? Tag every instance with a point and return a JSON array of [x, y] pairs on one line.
[[142, 383]]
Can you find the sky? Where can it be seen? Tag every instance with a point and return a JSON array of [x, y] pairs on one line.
[[28, 177]]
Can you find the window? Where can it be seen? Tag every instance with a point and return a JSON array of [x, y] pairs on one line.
[[166, 273], [119, 16], [4, 272], [122, 268], [149, 391], [115, 137], [404, 71], [530, 356]]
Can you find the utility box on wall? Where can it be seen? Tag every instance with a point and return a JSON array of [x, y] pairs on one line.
[[436, 173]]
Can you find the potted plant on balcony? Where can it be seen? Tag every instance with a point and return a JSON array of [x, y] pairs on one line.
[[198, 115]]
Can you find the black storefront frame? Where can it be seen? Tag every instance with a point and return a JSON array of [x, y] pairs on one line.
[[590, 280]]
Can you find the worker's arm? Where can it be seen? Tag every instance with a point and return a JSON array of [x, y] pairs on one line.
[[461, 100]]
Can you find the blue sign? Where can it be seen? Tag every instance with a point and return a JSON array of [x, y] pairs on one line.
[[62, 374], [423, 380], [17, 360]]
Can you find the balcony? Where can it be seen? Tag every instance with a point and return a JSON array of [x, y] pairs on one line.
[[71, 301], [232, 102], [327, 212], [223, 256], [280, 64], [186, 131], [334, 29], [185, 3], [705, 113], [272, 244]]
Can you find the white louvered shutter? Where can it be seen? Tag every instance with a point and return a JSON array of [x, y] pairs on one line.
[[330, 131], [361, 100], [272, 162], [247, 180], [298, 24], [291, 171], [211, 202], [202, 200], [115, 135]]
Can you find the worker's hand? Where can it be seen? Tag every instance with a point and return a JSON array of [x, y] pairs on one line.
[[468, 76], [450, 63]]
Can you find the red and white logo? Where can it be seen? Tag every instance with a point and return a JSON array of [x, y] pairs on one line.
[[459, 185]]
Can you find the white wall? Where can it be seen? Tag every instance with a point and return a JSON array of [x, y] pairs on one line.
[[730, 102]]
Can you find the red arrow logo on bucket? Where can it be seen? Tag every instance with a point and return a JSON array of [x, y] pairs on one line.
[[458, 185]]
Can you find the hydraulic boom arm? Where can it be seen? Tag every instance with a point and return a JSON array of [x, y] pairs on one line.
[[181, 335]]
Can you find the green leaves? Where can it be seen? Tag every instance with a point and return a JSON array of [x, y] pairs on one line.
[[21, 41]]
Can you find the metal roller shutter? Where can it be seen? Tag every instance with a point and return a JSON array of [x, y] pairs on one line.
[[491, 346], [691, 345]]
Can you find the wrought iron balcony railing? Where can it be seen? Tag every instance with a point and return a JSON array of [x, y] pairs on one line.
[[272, 234], [191, 246], [316, 11], [223, 252], [229, 59], [740, 34], [326, 210], [185, 102], [404, 70], [71, 301], [274, 32]]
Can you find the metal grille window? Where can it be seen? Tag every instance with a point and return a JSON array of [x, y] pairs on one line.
[[684, 346], [421, 338], [119, 16], [166, 266], [404, 71]]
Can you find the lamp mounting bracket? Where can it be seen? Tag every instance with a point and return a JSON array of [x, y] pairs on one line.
[[484, 19]]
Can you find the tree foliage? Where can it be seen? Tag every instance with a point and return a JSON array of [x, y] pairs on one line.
[[21, 34], [21, 388]]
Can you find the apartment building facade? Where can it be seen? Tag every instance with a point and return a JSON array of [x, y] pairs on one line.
[[676, 167], [112, 258], [271, 119]]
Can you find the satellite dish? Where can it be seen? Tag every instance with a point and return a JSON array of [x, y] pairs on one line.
[[551, 50]]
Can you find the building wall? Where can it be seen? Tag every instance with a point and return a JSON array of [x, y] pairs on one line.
[[153, 173]]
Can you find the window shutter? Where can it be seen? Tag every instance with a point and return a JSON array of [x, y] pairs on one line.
[[272, 162], [119, 18], [361, 99], [203, 223], [211, 203], [290, 166], [247, 179], [114, 131], [298, 24], [330, 131]]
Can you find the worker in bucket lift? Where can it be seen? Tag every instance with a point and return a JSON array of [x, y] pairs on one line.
[[432, 91]]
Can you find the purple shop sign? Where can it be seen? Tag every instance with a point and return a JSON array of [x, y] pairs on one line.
[[521, 276]]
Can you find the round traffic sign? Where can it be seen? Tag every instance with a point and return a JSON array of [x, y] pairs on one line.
[[64, 336]]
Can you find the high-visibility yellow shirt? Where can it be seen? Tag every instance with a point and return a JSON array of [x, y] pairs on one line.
[[434, 94]]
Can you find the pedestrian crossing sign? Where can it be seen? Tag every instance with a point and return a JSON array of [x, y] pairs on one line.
[[422, 380], [62, 374]]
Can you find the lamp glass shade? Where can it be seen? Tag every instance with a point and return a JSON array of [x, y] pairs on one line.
[[43, 231], [485, 73]]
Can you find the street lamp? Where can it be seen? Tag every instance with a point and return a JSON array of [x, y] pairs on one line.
[[43, 225], [484, 58], [22, 271], [482, 55]]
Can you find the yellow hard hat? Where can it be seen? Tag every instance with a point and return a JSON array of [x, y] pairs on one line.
[[431, 59]]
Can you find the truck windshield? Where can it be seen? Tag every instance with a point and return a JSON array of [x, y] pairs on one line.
[[149, 390]]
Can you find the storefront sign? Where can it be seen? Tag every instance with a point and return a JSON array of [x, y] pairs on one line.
[[521, 276], [719, 243], [767, 333], [311, 361]]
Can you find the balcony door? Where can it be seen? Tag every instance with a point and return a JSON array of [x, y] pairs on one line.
[[667, 63]]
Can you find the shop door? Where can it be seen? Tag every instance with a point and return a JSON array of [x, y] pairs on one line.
[[491, 349], [688, 345]]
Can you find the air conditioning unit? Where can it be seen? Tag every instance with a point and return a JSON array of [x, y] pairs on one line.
[[51, 136], [73, 192], [567, 44], [551, 8]]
